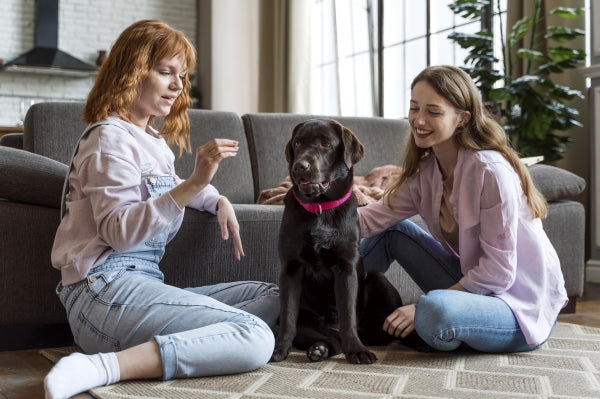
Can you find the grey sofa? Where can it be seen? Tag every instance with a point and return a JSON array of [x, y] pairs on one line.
[[33, 167]]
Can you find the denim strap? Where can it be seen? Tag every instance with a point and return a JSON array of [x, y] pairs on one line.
[[65, 189]]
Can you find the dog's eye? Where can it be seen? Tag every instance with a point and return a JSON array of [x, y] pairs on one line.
[[325, 144]]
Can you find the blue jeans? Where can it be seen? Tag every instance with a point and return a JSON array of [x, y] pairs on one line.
[[200, 331], [444, 318], [212, 330]]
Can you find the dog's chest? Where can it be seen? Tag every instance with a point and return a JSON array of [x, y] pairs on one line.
[[329, 234], [323, 237]]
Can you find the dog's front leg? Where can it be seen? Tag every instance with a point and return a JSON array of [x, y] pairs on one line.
[[290, 288], [346, 291]]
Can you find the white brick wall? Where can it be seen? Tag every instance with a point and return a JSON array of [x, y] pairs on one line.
[[85, 26]]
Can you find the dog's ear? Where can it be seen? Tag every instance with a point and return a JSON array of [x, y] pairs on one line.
[[289, 150], [354, 151]]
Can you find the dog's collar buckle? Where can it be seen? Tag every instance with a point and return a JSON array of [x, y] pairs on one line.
[[318, 207]]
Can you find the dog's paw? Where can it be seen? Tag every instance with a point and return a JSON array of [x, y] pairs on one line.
[[281, 352], [361, 357], [317, 352], [279, 356]]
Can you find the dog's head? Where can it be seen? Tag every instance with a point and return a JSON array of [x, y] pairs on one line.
[[320, 156]]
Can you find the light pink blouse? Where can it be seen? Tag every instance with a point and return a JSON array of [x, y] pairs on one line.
[[504, 252]]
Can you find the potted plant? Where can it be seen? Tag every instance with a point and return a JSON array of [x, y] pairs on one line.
[[531, 107]]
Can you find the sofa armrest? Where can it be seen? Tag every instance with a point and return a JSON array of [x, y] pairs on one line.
[[14, 140], [199, 256], [31, 178], [565, 227], [556, 183]]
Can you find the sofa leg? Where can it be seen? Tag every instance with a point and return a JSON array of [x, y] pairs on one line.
[[570, 308]]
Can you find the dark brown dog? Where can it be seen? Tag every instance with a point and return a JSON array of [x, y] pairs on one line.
[[322, 283]]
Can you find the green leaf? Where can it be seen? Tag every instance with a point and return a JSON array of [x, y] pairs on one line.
[[532, 55], [469, 9], [528, 79], [568, 12], [566, 93], [560, 66], [519, 30], [547, 69], [564, 53], [563, 34], [500, 94]]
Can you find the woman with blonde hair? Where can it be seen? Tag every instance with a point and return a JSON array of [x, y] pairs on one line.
[[491, 277], [123, 203]]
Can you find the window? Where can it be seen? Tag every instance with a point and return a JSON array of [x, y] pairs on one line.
[[365, 53]]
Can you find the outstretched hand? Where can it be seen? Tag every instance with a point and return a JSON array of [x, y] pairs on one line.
[[208, 158], [229, 224]]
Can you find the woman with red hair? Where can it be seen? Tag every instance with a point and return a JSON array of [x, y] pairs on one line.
[[123, 203]]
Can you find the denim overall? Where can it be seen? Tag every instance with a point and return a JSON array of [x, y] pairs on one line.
[[201, 331]]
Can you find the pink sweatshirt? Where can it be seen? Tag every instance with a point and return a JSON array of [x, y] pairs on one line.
[[504, 252], [108, 207]]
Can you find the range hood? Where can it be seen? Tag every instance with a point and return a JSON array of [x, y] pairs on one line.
[[46, 57]]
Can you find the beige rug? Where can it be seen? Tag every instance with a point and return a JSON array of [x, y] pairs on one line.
[[567, 366]]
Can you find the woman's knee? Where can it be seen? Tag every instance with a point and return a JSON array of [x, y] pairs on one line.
[[230, 347], [257, 347], [433, 320], [432, 309], [262, 341], [380, 250]]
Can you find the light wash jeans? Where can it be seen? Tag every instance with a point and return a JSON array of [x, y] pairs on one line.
[[444, 318], [211, 330]]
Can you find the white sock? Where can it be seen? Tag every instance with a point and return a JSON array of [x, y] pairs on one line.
[[78, 373]]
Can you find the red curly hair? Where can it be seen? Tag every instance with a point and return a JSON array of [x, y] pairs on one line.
[[139, 47]]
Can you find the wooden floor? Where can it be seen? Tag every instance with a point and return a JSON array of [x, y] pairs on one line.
[[22, 372]]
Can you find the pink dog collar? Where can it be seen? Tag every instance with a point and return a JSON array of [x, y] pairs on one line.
[[319, 207]]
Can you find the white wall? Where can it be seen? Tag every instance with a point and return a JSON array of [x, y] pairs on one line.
[[85, 26], [593, 72]]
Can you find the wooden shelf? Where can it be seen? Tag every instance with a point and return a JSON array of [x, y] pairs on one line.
[[11, 129]]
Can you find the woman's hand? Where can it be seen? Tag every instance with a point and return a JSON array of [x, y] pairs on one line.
[[208, 158], [458, 287], [228, 223], [400, 322]]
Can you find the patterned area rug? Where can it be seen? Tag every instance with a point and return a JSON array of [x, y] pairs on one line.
[[567, 366]]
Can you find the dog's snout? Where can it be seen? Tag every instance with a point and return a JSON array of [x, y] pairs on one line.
[[301, 166]]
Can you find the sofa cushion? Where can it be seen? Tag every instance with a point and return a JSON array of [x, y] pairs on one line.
[[556, 183], [31, 178], [51, 129], [234, 176]]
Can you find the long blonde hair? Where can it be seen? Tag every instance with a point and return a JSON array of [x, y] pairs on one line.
[[481, 132], [139, 47]]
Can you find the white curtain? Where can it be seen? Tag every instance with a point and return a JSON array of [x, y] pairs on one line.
[[299, 78]]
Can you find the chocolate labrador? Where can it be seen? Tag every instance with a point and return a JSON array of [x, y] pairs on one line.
[[323, 289]]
